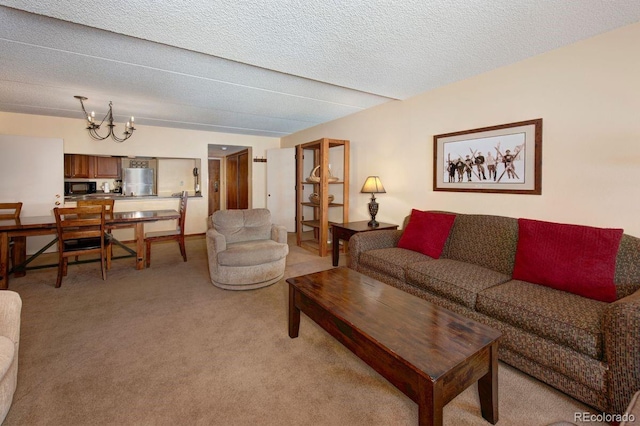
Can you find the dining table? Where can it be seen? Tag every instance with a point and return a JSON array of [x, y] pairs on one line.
[[17, 231]]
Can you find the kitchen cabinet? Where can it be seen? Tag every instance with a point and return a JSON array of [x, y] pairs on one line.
[[107, 167], [90, 167], [330, 193], [77, 166]]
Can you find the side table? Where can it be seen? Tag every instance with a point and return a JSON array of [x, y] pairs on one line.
[[344, 231]]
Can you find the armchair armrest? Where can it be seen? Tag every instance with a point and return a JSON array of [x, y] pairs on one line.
[[279, 233], [10, 309], [216, 242], [365, 241], [621, 327]]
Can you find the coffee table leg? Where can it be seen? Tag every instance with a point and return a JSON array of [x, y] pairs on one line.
[[488, 388], [430, 402], [294, 313]]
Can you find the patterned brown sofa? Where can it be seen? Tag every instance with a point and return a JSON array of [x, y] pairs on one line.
[[586, 348]]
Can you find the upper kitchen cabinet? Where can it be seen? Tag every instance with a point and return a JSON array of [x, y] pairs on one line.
[[90, 167], [107, 167], [77, 166]]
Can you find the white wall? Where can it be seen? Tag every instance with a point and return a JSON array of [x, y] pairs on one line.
[[588, 95], [149, 141]]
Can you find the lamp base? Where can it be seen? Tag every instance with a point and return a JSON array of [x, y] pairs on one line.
[[373, 211]]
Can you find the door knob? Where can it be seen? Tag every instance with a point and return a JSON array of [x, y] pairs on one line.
[[57, 203]]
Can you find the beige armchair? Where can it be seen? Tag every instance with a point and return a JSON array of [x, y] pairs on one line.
[[246, 251], [10, 309]]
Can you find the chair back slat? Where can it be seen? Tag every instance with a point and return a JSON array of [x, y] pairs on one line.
[[108, 205], [79, 222], [10, 211]]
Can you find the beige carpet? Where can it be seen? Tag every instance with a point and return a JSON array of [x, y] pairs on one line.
[[163, 346]]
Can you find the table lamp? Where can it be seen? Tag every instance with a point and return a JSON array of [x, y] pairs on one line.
[[373, 185]]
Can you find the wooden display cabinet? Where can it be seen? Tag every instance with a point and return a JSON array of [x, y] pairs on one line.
[[311, 218]]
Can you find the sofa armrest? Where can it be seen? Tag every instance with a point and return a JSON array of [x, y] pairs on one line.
[[621, 327], [10, 309], [365, 241], [279, 233]]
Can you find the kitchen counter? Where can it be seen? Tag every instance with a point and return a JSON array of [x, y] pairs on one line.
[[114, 196]]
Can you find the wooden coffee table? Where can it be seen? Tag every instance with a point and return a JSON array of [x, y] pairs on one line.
[[429, 353]]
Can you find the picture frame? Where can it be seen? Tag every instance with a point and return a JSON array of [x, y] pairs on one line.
[[503, 159]]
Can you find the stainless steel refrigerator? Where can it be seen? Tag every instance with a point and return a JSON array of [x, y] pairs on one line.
[[138, 182]]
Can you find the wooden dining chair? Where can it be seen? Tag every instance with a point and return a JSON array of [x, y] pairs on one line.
[[109, 206], [10, 211], [81, 230], [174, 234]]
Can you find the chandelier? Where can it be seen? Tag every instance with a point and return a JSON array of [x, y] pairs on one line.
[[93, 127]]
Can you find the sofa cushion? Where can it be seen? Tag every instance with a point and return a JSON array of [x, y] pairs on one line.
[[457, 281], [562, 317], [573, 258], [391, 261], [484, 240], [249, 253], [427, 232]]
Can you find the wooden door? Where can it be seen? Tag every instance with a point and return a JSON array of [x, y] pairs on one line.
[[281, 186], [238, 180], [232, 182], [243, 180], [214, 186]]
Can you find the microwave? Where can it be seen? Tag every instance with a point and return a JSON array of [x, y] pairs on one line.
[[79, 188]]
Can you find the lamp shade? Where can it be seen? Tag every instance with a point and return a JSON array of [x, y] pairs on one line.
[[373, 185]]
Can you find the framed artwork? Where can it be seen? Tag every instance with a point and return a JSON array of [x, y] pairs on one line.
[[498, 159]]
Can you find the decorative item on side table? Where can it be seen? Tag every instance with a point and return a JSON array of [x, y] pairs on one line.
[[372, 186]]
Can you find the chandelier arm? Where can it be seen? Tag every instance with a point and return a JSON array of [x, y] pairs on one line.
[[95, 135], [117, 139]]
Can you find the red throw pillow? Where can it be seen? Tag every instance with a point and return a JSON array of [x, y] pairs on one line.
[[427, 232], [573, 258]]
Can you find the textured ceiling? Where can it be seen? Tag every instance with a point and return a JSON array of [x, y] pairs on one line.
[[268, 67]]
